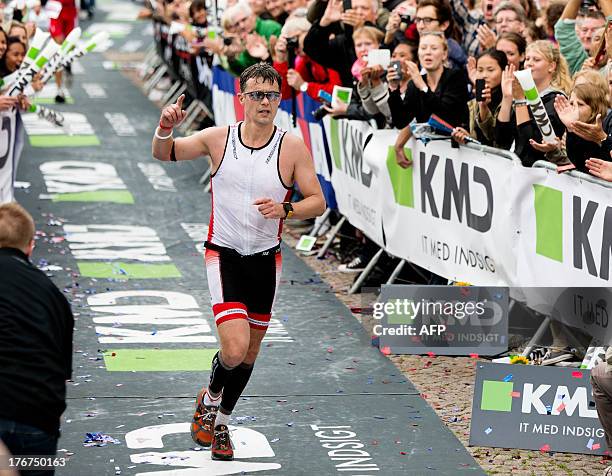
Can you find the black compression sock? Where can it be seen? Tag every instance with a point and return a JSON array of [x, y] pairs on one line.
[[218, 374], [234, 386]]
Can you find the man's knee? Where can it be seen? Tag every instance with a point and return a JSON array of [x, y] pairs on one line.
[[234, 355]]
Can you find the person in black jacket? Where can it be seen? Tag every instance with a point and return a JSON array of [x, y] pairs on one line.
[[35, 344], [440, 90], [551, 76]]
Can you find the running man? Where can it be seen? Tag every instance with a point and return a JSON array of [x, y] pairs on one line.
[[254, 167], [63, 21]]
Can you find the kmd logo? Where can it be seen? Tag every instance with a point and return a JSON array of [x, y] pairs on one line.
[[499, 395], [248, 444]]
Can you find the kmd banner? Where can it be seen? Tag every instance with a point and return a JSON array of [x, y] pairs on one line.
[[535, 408], [450, 212], [11, 144], [566, 230], [357, 180], [446, 320]]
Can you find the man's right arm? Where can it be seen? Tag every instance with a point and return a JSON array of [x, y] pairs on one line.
[[165, 147]]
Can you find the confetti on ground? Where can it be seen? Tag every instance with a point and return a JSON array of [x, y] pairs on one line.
[[596, 446], [508, 378], [99, 439], [488, 430], [590, 444], [545, 448], [515, 394], [577, 374]]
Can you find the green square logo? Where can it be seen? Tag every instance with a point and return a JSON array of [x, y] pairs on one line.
[[401, 179], [496, 396]]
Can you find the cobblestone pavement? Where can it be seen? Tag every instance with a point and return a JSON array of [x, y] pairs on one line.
[[446, 383]]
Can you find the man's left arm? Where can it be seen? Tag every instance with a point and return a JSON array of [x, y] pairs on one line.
[[313, 204]]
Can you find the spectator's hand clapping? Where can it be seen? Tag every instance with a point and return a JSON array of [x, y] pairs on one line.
[[590, 132], [486, 37], [352, 18], [333, 13], [507, 82], [7, 102], [600, 168], [280, 49], [257, 47], [471, 70], [294, 79], [545, 146], [567, 113]]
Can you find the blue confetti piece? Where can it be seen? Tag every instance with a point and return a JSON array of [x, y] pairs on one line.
[[590, 444], [508, 378], [488, 430]]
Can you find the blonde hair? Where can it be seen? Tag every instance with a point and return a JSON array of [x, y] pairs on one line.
[[595, 96], [590, 76], [437, 34], [227, 20], [369, 32], [16, 226], [561, 79]]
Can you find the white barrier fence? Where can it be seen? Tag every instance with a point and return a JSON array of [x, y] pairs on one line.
[[472, 215]]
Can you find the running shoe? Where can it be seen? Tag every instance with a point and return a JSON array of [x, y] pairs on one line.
[[222, 448], [203, 422]]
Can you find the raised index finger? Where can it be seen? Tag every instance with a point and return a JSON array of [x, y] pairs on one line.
[[179, 101]]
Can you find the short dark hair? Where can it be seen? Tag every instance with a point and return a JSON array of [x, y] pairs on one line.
[[515, 38], [499, 57], [261, 70], [196, 6]]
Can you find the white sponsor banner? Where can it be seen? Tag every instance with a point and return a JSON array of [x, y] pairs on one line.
[[566, 230], [449, 212], [359, 192], [8, 122]]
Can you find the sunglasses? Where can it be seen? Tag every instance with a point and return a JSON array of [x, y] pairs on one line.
[[258, 96]]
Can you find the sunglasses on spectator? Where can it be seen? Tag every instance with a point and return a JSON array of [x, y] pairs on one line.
[[258, 96], [424, 20]]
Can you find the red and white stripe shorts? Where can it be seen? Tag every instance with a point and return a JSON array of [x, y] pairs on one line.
[[242, 287]]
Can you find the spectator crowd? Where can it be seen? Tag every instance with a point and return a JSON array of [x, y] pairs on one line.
[[451, 58]]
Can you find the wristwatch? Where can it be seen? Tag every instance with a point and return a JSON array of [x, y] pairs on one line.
[[304, 87], [519, 102], [288, 209]]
